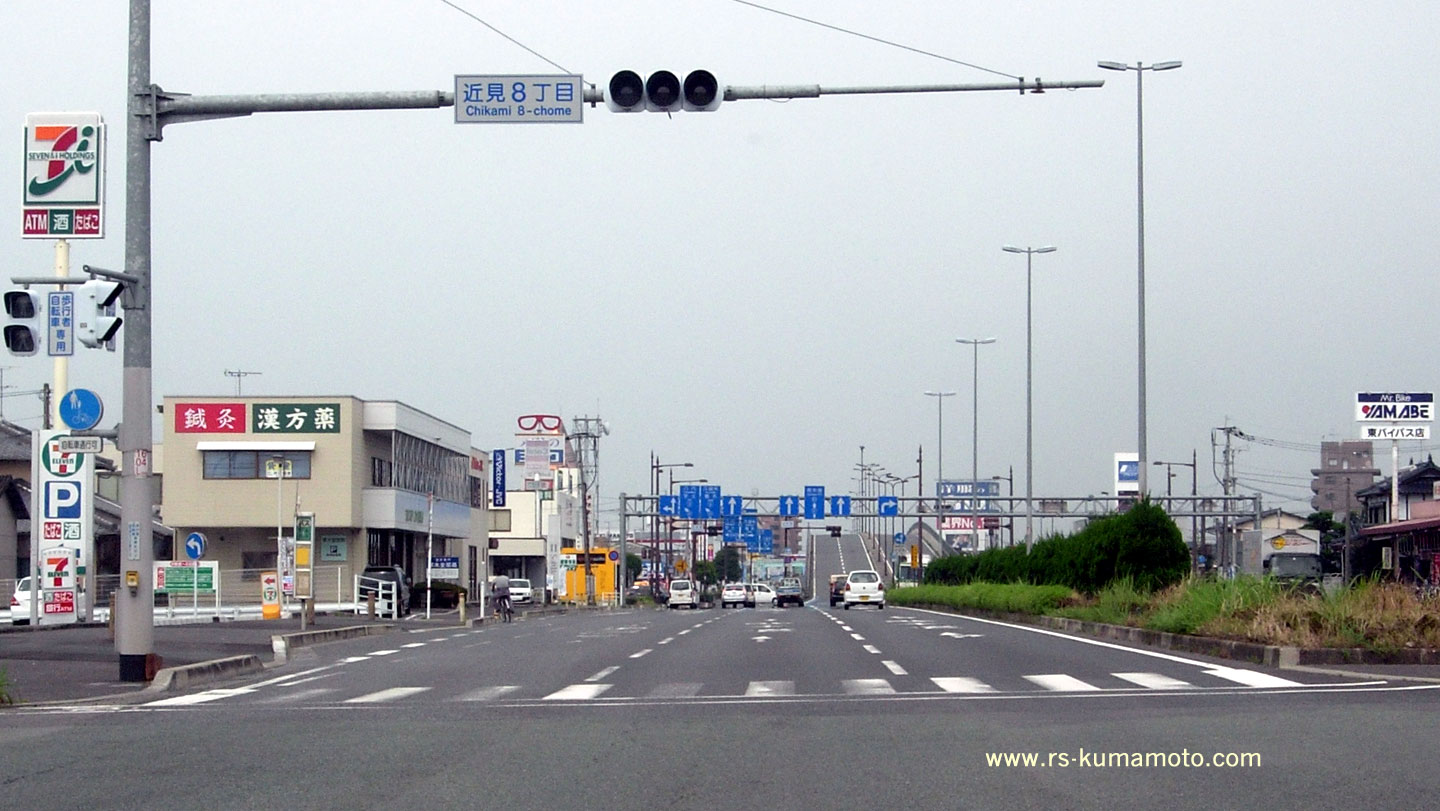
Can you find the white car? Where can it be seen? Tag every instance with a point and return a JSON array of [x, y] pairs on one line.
[[683, 593], [520, 591], [864, 587], [20, 603], [758, 594], [732, 594]]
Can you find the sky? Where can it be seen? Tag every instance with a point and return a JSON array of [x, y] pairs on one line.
[[763, 289]]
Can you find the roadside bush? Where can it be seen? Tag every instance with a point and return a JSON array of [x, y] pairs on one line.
[[1015, 598], [1142, 546]]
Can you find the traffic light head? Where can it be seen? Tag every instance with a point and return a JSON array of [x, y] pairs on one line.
[[663, 92], [834, 530], [95, 320], [22, 335]]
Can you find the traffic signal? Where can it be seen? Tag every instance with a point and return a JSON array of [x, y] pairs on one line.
[[22, 334], [834, 530], [663, 92], [95, 320]]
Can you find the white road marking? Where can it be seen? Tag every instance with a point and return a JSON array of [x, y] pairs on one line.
[[871, 649], [894, 668], [389, 694], [298, 695], [684, 632], [577, 692], [641, 653], [489, 693], [770, 688], [279, 679], [857, 636], [351, 659], [383, 652], [1252, 678], [199, 698], [417, 644], [602, 674], [1154, 681], [962, 684], [868, 687], [844, 627], [1060, 682], [666, 641]]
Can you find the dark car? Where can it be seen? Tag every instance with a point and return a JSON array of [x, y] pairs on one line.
[[837, 589], [788, 590], [393, 574]]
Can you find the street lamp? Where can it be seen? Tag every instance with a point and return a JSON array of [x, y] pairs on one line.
[[1011, 502], [655, 468], [1169, 476], [939, 458], [975, 435], [1140, 69], [1029, 466]]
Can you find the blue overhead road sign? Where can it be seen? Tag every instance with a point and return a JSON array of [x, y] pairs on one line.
[[710, 501], [689, 501], [887, 505], [814, 502], [732, 505], [731, 532], [789, 505], [840, 505], [669, 505]]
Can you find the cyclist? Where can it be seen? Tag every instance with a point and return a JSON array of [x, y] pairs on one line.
[[500, 588]]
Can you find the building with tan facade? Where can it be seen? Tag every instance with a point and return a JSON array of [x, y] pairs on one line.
[[380, 477]]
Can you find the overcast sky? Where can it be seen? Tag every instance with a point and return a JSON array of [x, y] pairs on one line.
[[763, 289]]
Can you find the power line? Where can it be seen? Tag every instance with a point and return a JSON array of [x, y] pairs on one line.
[[872, 38], [512, 40]]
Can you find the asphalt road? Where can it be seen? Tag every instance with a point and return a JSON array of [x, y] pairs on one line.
[[798, 707]]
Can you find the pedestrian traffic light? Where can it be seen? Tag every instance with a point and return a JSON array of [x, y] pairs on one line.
[[95, 320], [663, 92], [22, 333]]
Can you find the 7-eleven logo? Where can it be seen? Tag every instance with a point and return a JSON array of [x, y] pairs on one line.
[[58, 462], [57, 569]]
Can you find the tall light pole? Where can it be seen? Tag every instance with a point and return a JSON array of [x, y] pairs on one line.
[[1140, 68], [975, 435], [655, 468], [939, 458], [1168, 477], [1029, 422]]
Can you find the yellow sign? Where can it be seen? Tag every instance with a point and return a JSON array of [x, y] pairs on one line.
[[302, 555], [680, 566], [914, 555]]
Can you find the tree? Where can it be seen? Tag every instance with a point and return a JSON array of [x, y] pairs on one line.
[[728, 565], [1332, 539], [706, 572], [633, 567]]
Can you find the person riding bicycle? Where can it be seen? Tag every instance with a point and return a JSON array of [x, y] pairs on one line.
[[500, 589]]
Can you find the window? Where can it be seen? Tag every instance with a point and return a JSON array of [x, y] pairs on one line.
[[380, 471], [499, 520], [251, 464], [252, 563]]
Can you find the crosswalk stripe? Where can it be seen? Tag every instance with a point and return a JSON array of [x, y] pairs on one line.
[[961, 684], [298, 695], [489, 693], [770, 688], [1154, 681], [388, 694], [576, 692], [1060, 682], [1251, 678], [676, 690], [868, 687], [199, 698]]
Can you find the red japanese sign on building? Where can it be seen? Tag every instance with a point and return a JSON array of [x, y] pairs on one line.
[[210, 418]]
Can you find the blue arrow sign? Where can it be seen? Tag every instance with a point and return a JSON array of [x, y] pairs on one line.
[[731, 505], [669, 505], [887, 505], [195, 546], [814, 502], [789, 505], [689, 501], [710, 501], [899, 537], [840, 505]]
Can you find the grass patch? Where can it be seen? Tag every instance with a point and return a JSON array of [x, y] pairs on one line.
[[5, 697], [1372, 615], [1019, 598]]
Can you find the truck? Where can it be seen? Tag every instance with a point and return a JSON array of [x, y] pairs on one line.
[[1295, 567], [789, 590]]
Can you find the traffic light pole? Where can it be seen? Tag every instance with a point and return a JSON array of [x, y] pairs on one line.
[[148, 111]]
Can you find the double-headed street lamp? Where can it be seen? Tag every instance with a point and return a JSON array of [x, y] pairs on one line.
[[939, 459], [655, 468], [975, 436], [1140, 68], [1029, 431]]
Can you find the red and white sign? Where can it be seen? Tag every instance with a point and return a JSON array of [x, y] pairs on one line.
[[210, 418], [58, 603], [64, 180], [966, 523]]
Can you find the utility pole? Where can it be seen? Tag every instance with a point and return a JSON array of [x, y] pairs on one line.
[[1226, 552]]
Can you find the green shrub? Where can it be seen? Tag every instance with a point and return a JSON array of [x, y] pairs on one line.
[[1019, 598]]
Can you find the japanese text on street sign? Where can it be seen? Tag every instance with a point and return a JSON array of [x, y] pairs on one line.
[[516, 99]]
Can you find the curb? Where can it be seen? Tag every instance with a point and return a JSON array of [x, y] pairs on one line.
[[173, 679], [283, 644], [1281, 656]]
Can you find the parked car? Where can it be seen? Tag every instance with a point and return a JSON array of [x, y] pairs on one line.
[[521, 591], [789, 592], [393, 574], [732, 594], [20, 602], [864, 587], [837, 589], [682, 593], [758, 594]]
